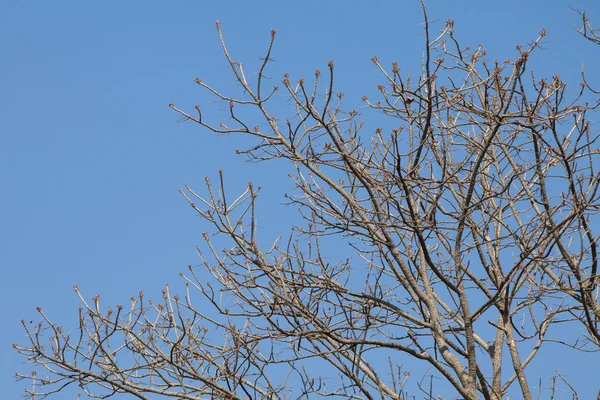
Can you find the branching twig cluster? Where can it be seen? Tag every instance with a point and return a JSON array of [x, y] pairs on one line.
[[470, 230]]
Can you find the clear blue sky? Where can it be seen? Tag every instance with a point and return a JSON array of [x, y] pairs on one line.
[[92, 156]]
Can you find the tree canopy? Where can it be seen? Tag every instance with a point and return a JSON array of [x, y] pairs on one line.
[[469, 221]]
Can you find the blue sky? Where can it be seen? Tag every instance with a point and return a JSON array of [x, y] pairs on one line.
[[92, 156]]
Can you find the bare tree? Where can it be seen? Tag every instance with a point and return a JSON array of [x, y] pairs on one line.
[[470, 234]]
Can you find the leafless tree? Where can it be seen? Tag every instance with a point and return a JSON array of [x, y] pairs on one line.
[[470, 238]]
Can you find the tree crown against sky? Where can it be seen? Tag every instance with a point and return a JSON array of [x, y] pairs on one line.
[[473, 209]]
